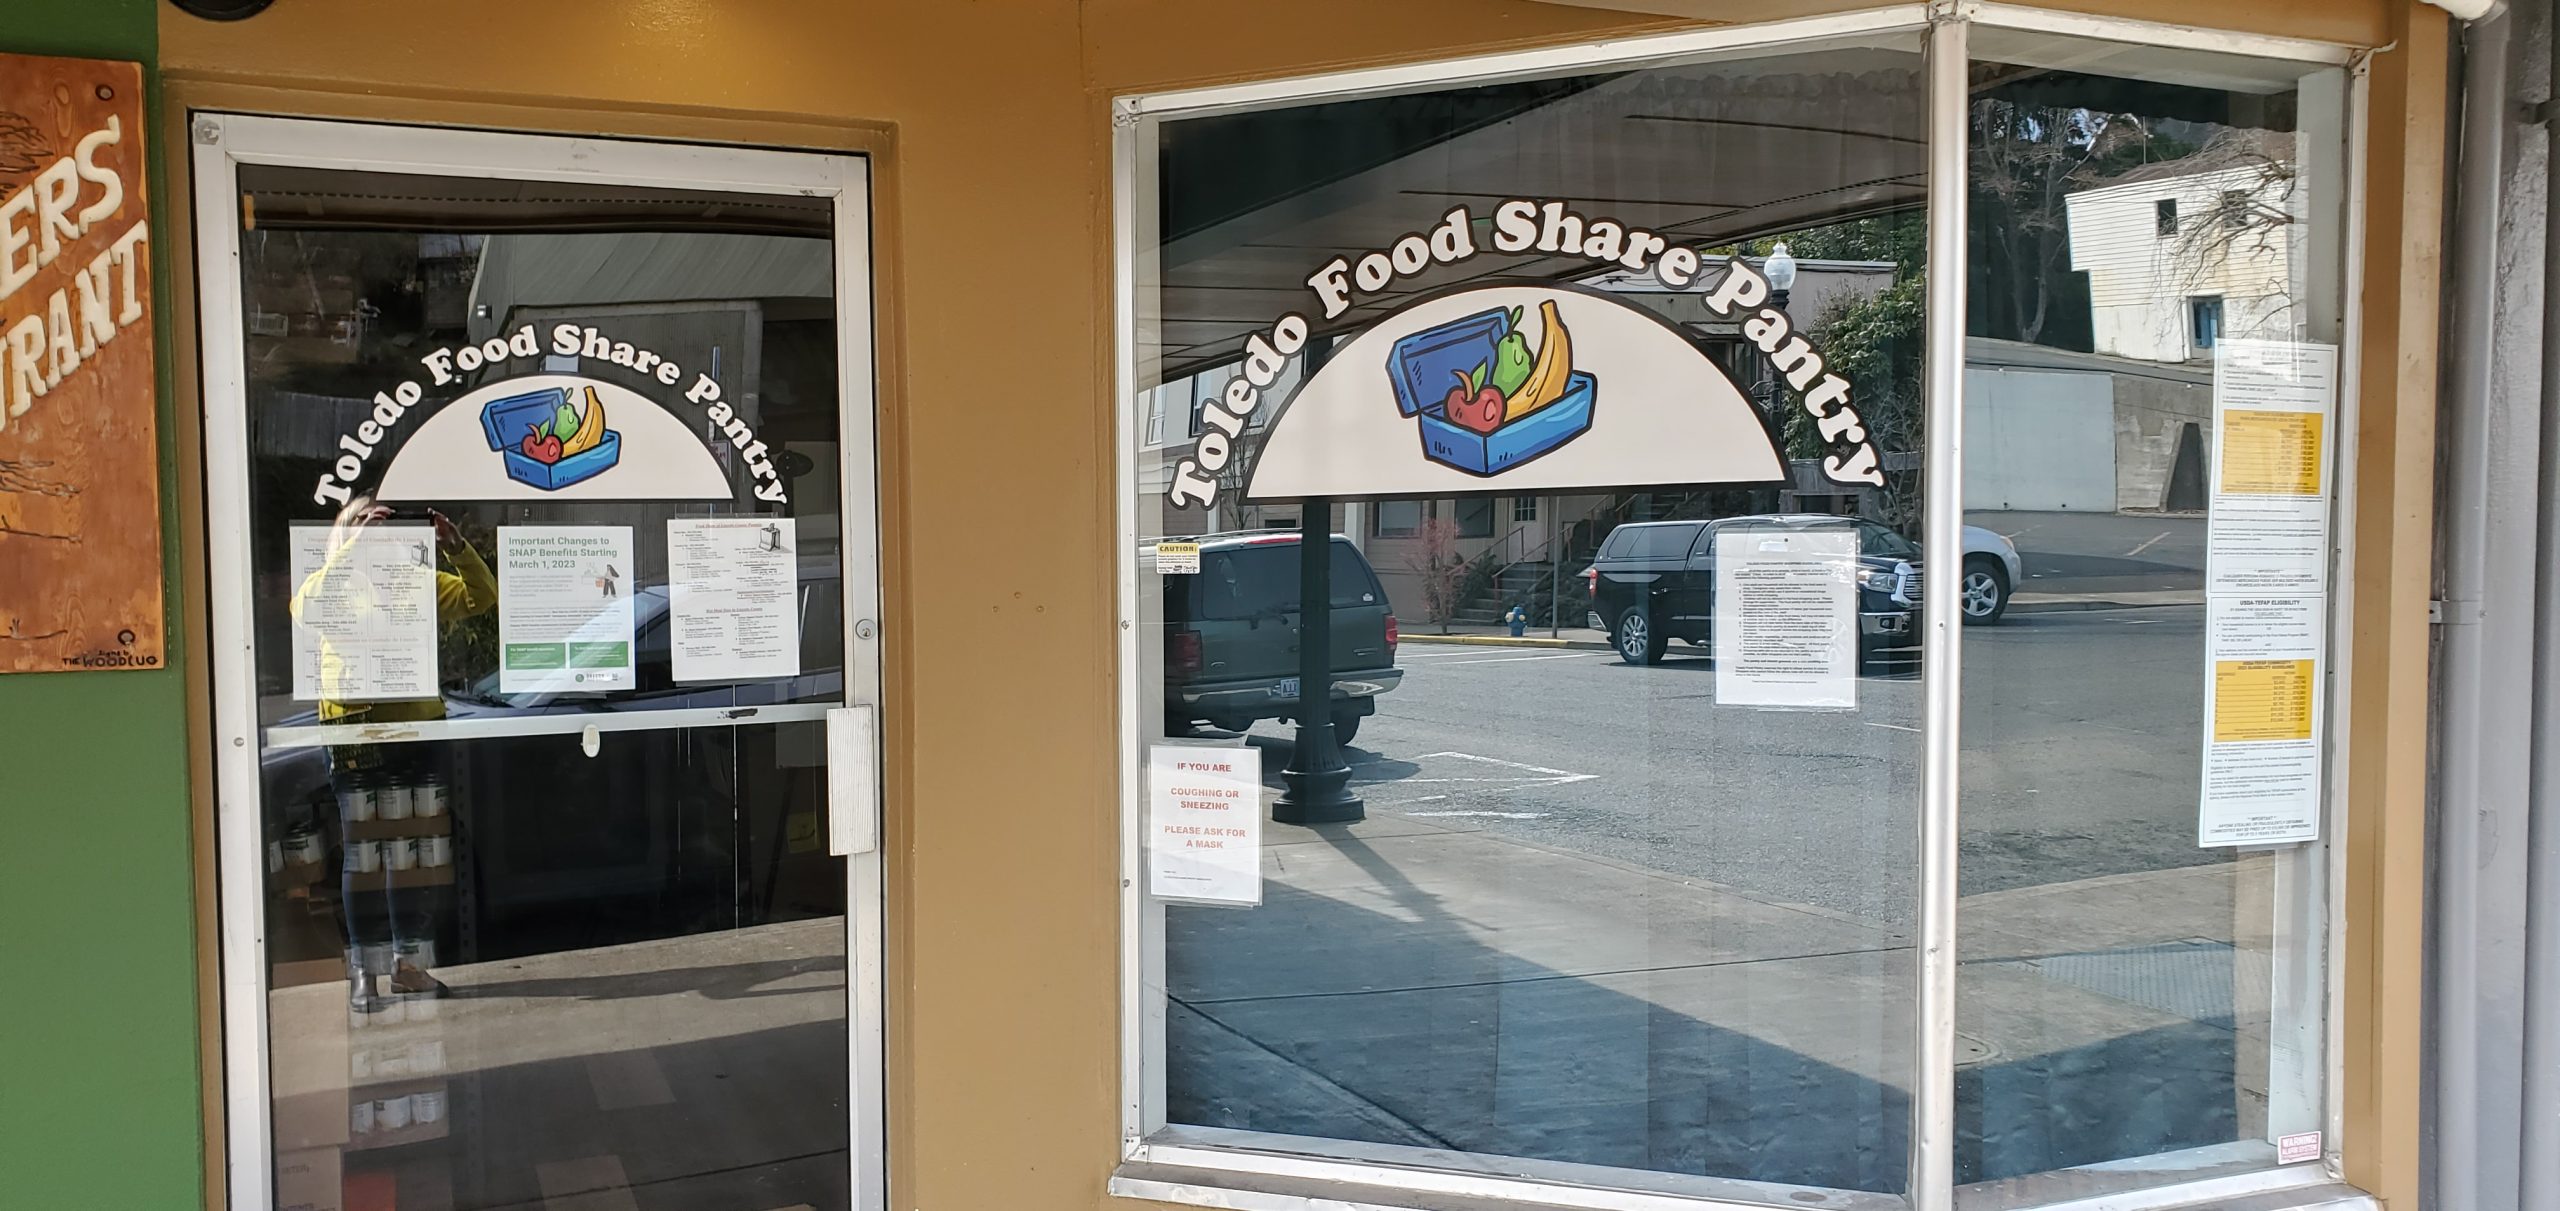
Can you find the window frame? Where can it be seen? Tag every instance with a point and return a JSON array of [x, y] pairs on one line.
[[1168, 1161]]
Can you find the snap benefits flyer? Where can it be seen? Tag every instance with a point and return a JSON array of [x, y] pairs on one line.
[[564, 609]]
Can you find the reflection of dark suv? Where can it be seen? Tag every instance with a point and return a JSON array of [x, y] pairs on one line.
[[1231, 635], [1654, 582]]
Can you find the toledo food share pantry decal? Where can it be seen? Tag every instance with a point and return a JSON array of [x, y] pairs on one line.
[[550, 436], [1521, 387]]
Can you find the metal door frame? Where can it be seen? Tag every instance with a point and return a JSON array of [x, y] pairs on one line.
[[221, 143]]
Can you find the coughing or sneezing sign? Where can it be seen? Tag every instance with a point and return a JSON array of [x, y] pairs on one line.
[[1204, 823]]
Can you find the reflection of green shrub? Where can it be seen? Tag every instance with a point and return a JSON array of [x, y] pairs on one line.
[[467, 648]]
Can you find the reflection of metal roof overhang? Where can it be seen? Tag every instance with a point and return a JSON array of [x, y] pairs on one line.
[[1701, 155]]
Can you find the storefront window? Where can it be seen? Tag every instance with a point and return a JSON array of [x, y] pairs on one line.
[[1609, 902], [2139, 961], [1601, 863]]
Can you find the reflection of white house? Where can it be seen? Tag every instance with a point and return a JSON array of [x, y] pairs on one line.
[[2185, 251]]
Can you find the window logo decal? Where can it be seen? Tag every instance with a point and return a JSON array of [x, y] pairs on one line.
[[556, 443], [546, 431], [1499, 386], [1510, 406]]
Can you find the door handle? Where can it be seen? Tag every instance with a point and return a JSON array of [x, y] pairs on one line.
[[853, 780]]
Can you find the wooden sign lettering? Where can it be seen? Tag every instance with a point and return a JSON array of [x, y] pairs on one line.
[[80, 571]]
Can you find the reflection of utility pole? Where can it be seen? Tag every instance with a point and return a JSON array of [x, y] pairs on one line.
[[1318, 781]]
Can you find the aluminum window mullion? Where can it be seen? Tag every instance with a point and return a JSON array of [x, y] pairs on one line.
[[1932, 1177]]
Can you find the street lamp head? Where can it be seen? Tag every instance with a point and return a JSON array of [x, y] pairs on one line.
[[1780, 268]]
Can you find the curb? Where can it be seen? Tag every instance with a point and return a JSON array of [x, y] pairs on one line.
[[2074, 605], [1506, 641]]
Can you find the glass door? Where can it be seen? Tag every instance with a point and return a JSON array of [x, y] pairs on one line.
[[540, 474]]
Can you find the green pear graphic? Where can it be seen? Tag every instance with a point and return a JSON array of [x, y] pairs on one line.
[[1511, 360]]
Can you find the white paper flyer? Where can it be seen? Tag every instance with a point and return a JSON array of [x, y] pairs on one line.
[[2272, 405], [1204, 823], [2262, 721], [1786, 617], [564, 609], [364, 613], [2266, 592], [733, 598]]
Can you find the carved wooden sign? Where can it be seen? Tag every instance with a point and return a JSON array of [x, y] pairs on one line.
[[80, 571]]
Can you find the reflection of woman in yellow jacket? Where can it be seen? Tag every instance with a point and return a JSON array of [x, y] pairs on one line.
[[338, 593], [470, 589]]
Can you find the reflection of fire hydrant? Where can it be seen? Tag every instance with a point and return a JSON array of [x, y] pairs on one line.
[[1518, 617]]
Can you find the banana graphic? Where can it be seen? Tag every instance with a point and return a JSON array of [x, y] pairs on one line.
[[1550, 374], [590, 427]]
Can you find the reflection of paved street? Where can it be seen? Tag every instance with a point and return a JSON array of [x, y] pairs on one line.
[[2112, 553], [1594, 917]]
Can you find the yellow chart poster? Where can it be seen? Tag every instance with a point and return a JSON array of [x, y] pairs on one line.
[[2262, 720], [2271, 453], [2261, 700]]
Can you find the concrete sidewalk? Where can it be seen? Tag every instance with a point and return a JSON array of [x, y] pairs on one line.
[[1426, 982]]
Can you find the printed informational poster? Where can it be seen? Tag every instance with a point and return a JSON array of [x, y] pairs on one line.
[[733, 598], [2262, 720], [364, 613], [2272, 403], [564, 609], [1204, 823], [2266, 592], [1786, 617]]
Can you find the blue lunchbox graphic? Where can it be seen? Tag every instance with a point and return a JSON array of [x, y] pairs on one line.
[[1426, 365], [524, 429]]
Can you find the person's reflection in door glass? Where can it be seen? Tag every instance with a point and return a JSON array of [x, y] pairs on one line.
[[339, 589]]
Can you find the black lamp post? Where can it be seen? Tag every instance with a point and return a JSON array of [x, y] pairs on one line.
[[1318, 780]]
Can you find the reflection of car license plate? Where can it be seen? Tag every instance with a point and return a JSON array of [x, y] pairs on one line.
[[1286, 687]]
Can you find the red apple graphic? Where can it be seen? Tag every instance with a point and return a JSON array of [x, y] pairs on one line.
[[541, 447], [1474, 408]]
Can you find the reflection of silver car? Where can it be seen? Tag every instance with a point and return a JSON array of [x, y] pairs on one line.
[[1992, 571]]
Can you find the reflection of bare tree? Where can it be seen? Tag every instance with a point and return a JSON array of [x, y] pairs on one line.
[[2026, 158], [2249, 225], [22, 146]]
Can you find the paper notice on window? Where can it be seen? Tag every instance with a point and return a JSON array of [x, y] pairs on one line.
[[2266, 591], [564, 609], [733, 598], [1786, 617], [2273, 405], [364, 613], [1177, 558], [1204, 823], [2262, 752]]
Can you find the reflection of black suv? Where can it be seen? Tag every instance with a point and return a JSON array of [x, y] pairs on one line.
[[1231, 635], [1654, 582]]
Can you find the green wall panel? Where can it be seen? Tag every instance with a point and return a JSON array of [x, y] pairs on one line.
[[99, 1088]]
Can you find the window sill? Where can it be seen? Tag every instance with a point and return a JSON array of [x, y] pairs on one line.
[[1240, 1191]]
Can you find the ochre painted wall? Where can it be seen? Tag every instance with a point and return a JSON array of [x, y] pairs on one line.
[[991, 120], [98, 1004]]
